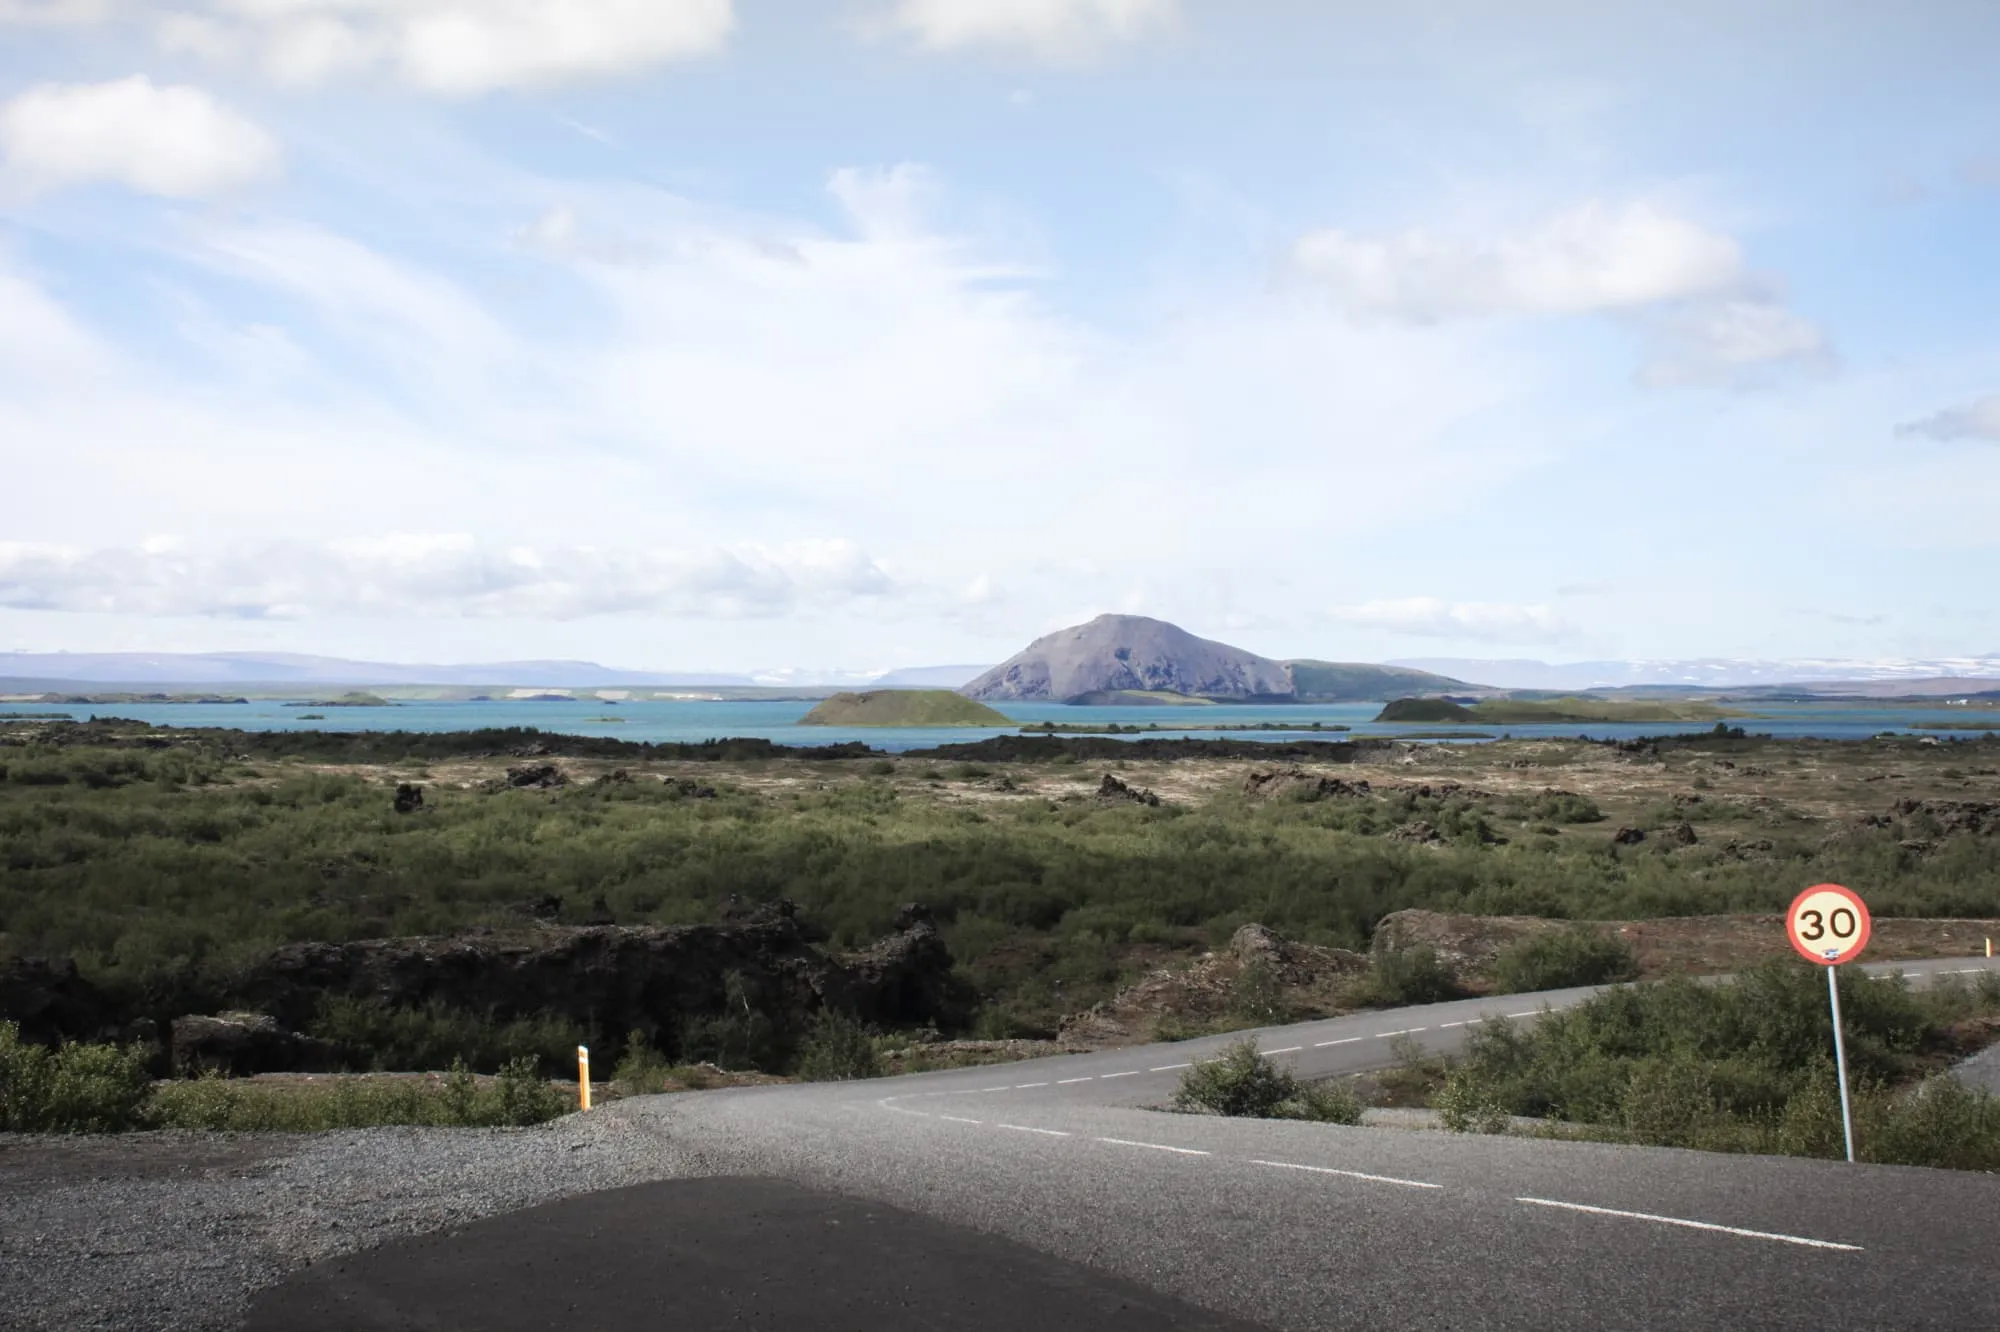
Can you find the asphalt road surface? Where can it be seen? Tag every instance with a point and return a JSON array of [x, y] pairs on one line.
[[1079, 1206]]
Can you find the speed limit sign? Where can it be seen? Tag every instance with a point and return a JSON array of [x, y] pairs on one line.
[[1828, 924]]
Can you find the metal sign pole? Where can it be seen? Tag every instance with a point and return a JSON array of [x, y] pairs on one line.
[[1840, 1061]]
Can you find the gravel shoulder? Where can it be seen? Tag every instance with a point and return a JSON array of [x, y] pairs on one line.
[[162, 1231]]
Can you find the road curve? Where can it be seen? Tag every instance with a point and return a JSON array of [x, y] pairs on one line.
[[1306, 1226]]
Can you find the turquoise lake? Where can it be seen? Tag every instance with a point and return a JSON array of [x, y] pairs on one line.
[[692, 721]]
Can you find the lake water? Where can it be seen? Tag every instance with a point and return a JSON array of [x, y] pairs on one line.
[[693, 721]]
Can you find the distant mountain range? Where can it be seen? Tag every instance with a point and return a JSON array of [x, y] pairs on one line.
[[1085, 659], [1906, 675], [279, 668]]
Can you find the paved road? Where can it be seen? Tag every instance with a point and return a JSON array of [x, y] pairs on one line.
[[1314, 1226]]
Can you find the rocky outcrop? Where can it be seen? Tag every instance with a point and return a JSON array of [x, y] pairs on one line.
[[1298, 784], [1131, 652], [1467, 945], [540, 776], [240, 1044], [620, 978], [50, 1001], [1629, 836], [409, 798], [1114, 792], [1305, 980]]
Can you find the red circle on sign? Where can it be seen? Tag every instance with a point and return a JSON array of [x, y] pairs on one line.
[[1807, 927]]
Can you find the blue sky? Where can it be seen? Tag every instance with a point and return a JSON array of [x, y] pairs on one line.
[[861, 333]]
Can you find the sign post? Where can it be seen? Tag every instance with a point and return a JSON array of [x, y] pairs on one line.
[[1829, 925]]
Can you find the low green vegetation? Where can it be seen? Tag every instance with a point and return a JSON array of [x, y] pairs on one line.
[[1424, 710], [1743, 1066], [904, 707], [89, 1088], [1521, 712], [165, 861], [1564, 959], [1241, 1081]]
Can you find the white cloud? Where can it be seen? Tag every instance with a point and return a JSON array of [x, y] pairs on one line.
[[175, 141], [1978, 419], [452, 47], [1432, 617], [1709, 319], [1056, 30], [1732, 341], [1595, 257], [52, 12], [441, 576]]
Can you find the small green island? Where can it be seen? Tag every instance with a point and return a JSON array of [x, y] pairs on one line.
[[904, 707], [353, 699], [1526, 712]]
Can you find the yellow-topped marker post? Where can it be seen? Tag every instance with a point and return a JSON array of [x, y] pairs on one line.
[[583, 1077], [1829, 925]]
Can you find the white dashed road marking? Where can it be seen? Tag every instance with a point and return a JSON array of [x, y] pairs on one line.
[[1023, 1086], [1350, 1174], [1407, 1031], [1064, 1082], [1693, 1225], [1024, 1128], [1151, 1146], [1345, 1040], [1128, 1073], [1289, 1049], [961, 1119], [1529, 1013], [1168, 1068]]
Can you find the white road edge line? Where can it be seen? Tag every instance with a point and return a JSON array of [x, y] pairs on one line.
[[1694, 1225], [961, 1119], [1152, 1146], [1345, 1040], [1025, 1128], [1350, 1174], [1168, 1068]]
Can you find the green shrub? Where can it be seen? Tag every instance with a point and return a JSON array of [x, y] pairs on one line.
[[525, 1097], [741, 1036], [72, 1089], [1257, 994], [379, 1037], [457, 1100], [1239, 1081], [1324, 1103], [643, 1071], [1559, 960], [1463, 1105], [836, 1049], [1405, 976]]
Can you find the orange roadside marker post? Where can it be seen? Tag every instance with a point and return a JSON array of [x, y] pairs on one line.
[[1829, 925], [583, 1077]]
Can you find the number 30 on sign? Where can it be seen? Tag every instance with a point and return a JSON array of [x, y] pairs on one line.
[[1828, 924]]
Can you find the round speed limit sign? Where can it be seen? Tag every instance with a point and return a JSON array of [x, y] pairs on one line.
[[1828, 924]]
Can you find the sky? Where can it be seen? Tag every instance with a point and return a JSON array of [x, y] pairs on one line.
[[853, 334]]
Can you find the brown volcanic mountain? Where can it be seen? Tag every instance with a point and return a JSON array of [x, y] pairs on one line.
[[1131, 652]]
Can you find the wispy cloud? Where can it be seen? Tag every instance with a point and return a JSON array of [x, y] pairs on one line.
[[446, 576], [1481, 621], [1978, 420], [1053, 30]]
